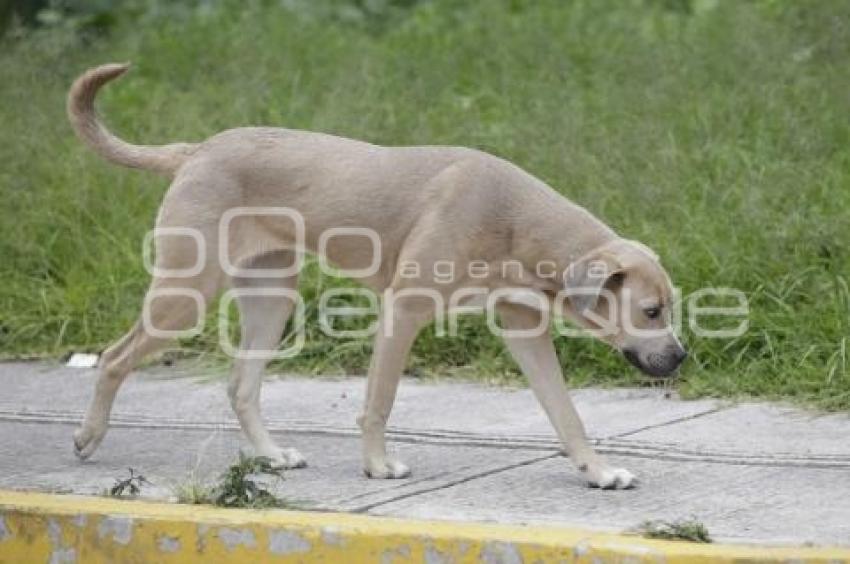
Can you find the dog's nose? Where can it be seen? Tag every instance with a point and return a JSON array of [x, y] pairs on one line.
[[680, 357]]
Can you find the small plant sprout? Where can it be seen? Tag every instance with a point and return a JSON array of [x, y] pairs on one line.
[[130, 486]]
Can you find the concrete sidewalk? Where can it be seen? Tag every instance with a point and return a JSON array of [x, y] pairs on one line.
[[750, 472]]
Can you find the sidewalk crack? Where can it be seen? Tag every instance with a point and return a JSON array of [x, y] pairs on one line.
[[447, 485], [682, 419]]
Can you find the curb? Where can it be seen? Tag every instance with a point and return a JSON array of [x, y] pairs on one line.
[[65, 528]]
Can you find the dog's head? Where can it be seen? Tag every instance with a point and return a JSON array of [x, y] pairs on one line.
[[623, 296]]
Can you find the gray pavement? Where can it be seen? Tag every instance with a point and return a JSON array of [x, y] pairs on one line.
[[751, 472]]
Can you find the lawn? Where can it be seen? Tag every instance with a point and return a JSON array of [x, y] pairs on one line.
[[717, 132]]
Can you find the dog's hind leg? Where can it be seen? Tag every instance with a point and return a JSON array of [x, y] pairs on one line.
[[187, 276], [265, 304], [168, 308]]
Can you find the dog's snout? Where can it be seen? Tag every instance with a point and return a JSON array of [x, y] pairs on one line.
[[674, 359], [657, 364], [680, 356], [633, 358]]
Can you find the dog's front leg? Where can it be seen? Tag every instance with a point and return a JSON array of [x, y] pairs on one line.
[[537, 358], [396, 333]]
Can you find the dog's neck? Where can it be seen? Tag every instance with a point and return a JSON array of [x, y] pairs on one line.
[[550, 229]]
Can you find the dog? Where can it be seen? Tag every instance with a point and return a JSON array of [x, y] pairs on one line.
[[429, 206]]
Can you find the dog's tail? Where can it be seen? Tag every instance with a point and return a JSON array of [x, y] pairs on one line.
[[164, 159]]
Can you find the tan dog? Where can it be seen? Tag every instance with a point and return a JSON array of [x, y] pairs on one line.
[[429, 206]]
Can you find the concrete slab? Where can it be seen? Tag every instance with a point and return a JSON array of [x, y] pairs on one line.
[[39, 457], [749, 429], [157, 396], [736, 502], [753, 472]]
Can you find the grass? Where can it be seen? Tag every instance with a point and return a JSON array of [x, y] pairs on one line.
[[241, 485], [244, 484], [685, 529], [714, 131], [193, 492]]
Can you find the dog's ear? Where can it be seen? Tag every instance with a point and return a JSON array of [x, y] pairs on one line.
[[638, 250], [586, 277]]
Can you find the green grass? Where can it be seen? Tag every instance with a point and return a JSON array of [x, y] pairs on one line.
[[192, 492], [244, 484], [715, 132], [686, 530]]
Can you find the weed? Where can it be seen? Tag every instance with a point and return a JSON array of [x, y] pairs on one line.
[[684, 529], [240, 487], [130, 486], [194, 492]]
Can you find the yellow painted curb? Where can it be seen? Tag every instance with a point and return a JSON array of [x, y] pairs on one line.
[[38, 527]]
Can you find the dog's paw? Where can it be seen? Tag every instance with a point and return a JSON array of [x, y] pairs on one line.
[[286, 458], [86, 441], [292, 458], [609, 478], [386, 469]]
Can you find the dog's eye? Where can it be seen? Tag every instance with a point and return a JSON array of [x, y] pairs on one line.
[[652, 312]]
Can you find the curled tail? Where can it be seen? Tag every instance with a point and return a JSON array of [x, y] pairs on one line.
[[164, 159]]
